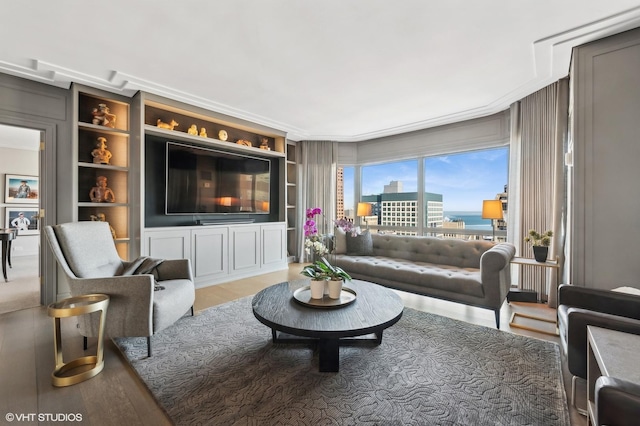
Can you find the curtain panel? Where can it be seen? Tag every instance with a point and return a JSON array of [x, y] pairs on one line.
[[316, 186], [539, 131]]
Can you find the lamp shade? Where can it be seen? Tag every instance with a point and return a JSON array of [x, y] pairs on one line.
[[492, 209], [364, 209]]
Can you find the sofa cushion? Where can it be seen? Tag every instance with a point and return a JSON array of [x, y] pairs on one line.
[[444, 277], [437, 251], [360, 245]]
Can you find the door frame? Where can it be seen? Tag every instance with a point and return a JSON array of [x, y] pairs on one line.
[[47, 185]]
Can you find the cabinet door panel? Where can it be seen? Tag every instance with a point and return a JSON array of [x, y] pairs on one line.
[[169, 244], [273, 244], [210, 252], [246, 248]]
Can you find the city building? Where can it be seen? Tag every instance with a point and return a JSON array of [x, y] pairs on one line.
[[401, 208], [340, 193]]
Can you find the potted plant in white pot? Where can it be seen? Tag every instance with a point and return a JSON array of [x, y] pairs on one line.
[[336, 276], [540, 243], [318, 280]]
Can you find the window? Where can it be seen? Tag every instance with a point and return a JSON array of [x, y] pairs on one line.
[[461, 182], [453, 189]]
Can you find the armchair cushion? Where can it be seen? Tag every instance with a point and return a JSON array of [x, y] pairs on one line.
[[88, 250]]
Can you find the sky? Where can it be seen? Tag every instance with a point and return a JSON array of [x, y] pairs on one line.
[[464, 180]]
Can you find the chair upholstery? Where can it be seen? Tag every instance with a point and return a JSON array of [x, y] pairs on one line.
[[617, 402], [579, 307], [87, 254]]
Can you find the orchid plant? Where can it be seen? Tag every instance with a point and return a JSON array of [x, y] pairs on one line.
[[347, 226], [312, 241]]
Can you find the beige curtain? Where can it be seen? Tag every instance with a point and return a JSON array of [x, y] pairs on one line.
[[316, 186], [538, 139]]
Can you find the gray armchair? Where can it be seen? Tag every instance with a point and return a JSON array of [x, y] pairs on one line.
[[579, 307], [87, 254], [617, 402]]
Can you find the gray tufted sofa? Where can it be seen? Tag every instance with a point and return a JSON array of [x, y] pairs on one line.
[[476, 273]]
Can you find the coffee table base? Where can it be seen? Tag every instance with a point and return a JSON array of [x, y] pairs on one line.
[[328, 349]]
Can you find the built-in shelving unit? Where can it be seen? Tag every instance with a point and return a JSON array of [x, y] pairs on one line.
[[221, 246], [102, 143], [292, 162], [190, 123]]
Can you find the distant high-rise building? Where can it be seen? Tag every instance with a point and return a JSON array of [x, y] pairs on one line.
[[394, 187], [502, 196], [340, 194], [401, 208]]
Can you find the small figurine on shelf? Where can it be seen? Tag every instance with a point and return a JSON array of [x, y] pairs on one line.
[[193, 130], [101, 217], [101, 155], [222, 135], [101, 193], [169, 126], [102, 116], [244, 142], [203, 132], [264, 144]]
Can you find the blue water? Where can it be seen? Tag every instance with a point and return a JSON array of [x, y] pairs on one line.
[[472, 220]]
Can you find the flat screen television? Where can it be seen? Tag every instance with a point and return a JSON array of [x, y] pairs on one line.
[[203, 180]]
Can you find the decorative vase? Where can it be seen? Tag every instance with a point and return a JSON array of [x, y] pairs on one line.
[[335, 288], [317, 288], [540, 253]]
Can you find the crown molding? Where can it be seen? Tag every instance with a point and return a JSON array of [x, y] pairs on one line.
[[552, 57]]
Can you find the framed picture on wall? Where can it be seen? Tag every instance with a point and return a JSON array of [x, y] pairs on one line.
[[26, 219], [21, 189]]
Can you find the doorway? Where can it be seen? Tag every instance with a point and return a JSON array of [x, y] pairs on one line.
[[20, 197]]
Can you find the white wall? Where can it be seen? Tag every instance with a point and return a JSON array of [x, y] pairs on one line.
[[18, 162]]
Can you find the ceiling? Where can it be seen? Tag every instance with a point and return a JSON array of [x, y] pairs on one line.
[[335, 70]]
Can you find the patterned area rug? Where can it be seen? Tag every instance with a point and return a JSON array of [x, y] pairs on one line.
[[220, 367]]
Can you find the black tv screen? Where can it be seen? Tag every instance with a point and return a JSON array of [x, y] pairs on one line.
[[203, 180]]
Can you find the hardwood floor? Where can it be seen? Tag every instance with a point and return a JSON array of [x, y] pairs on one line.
[[116, 395]]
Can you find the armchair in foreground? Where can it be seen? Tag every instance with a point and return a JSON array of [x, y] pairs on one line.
[[87, 254], [579, 307], [617, 402]]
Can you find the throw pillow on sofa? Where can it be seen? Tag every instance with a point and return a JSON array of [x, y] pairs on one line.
[[360, 245], [340, 241]]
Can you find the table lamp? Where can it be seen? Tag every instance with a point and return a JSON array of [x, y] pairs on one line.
[[492, 209], [364, 210]]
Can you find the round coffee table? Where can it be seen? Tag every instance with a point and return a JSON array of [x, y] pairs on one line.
[[374, 309]]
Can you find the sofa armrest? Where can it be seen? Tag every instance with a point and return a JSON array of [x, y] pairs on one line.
[[576, 322], [130, 308], [606, 301], [495, 272], [617, 401]]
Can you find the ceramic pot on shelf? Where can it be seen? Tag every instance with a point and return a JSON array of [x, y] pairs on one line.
[[335, 288], [540, 253], [317, 288]]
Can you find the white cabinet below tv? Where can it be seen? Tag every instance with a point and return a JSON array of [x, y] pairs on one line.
[[221, 253]]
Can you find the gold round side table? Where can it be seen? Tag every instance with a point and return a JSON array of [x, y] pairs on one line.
[[71, 307]]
